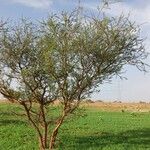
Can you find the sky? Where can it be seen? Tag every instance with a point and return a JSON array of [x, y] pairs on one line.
[[137, 85]]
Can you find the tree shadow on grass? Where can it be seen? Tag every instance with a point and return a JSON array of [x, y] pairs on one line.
[[12, 122], [8, 118], [129, 139]]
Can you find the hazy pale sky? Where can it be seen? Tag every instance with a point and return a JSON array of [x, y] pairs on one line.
[[137, 85]]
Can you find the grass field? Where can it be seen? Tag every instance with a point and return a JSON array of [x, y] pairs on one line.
[[97, 130]]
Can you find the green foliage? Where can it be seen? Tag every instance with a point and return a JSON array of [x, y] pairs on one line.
[[67, 55]]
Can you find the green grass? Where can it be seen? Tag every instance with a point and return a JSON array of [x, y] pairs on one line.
[[96, 131]]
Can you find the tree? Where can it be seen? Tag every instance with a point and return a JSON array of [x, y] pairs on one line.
[[64, 58]]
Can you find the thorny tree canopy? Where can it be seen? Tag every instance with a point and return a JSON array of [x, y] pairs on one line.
[[65, 57]]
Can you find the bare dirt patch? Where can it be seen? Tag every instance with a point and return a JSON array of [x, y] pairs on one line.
[[111, 106]]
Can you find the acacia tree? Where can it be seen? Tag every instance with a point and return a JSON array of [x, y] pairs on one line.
[[64, 58]]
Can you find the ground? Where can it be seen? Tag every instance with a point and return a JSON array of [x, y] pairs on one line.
[[119, 106], [102, 126]]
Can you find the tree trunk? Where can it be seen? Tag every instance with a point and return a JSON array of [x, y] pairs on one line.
[[41, 144], [55, 132], [43, 141], [53, 139]]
